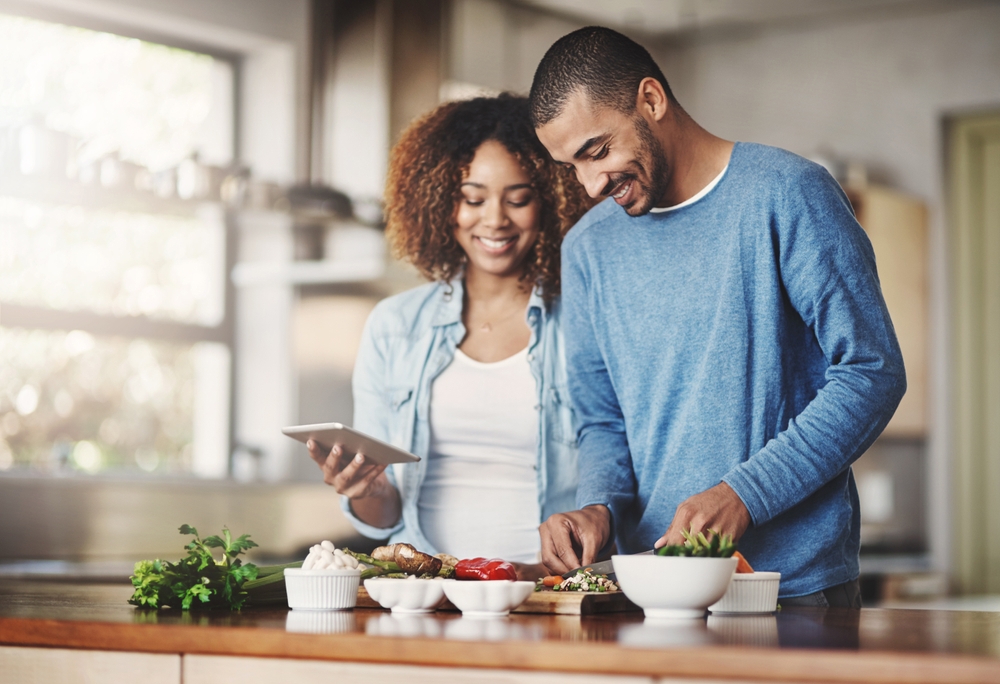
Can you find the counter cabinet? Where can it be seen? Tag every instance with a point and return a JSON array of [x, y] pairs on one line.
[[88, 633]]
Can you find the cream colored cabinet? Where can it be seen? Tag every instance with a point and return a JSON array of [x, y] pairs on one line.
[[24, 665], [897, 227], [205, 669]]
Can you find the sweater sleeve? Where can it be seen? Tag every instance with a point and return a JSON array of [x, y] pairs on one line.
[[828, 272], [371, 411], [605, 463]]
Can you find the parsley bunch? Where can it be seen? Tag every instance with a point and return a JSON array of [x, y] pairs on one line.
[[198, 579]]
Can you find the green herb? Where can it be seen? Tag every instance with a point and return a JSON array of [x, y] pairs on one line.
[[698, 545], [198, 579]]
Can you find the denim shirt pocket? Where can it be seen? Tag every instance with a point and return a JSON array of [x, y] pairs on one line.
[[563, 418], [400, 418]]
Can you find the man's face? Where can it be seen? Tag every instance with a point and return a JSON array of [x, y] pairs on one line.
[[612, 153]]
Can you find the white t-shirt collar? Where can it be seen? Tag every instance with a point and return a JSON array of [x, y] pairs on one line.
[[691, 200]]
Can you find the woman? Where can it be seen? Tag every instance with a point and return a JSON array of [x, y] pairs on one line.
[[468, 371]]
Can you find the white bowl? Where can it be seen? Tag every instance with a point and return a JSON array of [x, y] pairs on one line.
[[406, 595], [752, 592], [487, 598], [673, 586], [322, 589]]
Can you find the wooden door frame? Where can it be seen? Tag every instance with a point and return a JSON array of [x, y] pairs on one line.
[[974, 236]]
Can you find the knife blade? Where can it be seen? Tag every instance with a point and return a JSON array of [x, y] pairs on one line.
[[604, 567]]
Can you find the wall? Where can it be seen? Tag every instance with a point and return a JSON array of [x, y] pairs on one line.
[[496, 46], [876, 91]]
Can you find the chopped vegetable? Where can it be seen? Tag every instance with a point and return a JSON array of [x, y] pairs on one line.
[[485, 569], [698, 545], [742, 566], [582, 580]]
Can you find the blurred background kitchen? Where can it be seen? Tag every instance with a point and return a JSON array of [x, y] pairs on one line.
[[190, 242]]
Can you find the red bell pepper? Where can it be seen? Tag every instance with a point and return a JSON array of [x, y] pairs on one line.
[[485, 569]]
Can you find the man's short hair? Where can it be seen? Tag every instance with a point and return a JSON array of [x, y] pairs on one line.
[[603, 63]]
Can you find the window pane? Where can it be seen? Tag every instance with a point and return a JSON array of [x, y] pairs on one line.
[[70, 400], [113, 262], [153, 104]]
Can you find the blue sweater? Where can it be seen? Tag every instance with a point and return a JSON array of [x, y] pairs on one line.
[[742, 339]]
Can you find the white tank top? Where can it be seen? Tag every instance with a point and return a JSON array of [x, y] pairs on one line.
[[480, 492]]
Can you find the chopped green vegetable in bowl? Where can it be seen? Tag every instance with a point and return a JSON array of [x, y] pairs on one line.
[[700, 546]]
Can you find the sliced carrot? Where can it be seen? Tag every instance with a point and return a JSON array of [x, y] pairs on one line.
[[741, 563], [551, 580]]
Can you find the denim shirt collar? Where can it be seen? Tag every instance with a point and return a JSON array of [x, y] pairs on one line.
[[450, 299]]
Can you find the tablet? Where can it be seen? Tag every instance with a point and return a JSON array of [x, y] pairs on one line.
[[328, 434]]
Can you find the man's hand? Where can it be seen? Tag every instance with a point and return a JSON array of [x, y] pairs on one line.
[[718, 508], [571, 540]]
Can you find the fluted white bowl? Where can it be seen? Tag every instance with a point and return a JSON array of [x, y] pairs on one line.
[[673, 586], [406, 595], [487, 598], [322, 589], [752, 592]]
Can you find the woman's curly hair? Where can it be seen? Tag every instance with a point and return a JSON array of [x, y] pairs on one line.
[[426, 170]]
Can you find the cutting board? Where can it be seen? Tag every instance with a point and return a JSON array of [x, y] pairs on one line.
[[549, 602], [576, 603]]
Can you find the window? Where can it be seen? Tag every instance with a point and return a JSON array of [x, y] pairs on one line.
[[114, 325]]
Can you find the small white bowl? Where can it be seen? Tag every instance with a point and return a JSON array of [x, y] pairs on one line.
[[751, 592], [667, 587], [487, 598], [406, 595], [322, 589]]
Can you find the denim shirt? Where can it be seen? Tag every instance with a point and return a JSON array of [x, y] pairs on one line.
[[408, 340]]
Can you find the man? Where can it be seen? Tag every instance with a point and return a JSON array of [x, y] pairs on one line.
[[729, 349]]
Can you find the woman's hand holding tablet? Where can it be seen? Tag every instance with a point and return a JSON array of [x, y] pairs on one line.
[[328, 435]]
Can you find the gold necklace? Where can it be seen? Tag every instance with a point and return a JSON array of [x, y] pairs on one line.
[[487, 326]]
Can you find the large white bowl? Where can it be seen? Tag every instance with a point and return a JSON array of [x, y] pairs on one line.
[[673, 586], [322, 589], [752, 592], [406, 595], [487, 598]]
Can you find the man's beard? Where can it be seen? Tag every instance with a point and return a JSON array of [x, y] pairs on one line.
[[654, 162]]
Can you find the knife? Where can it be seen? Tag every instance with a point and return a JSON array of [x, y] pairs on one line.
[[604, 567]]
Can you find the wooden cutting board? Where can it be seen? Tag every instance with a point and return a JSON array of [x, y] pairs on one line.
[[576, 603], [548, 602]]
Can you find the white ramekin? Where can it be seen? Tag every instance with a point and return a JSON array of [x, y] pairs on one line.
[[752, 592], [406, 595], [322, 589]]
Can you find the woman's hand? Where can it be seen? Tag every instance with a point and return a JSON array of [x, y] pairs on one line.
[[352, 478], [373, 498]]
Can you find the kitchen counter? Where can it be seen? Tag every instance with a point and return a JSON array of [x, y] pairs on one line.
[[798, 644]]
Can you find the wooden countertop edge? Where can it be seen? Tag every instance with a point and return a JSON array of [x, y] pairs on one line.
[[804, 665]]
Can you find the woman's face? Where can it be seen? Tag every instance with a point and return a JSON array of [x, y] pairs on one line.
[[498, 212]]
